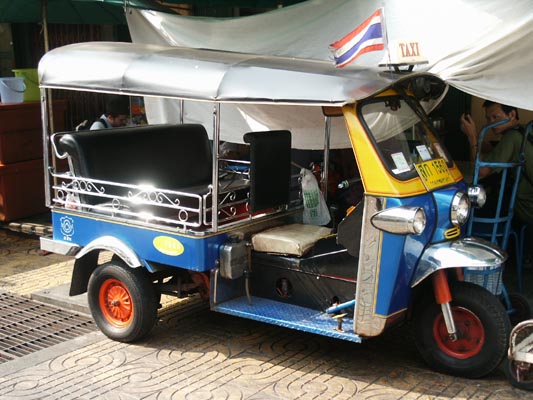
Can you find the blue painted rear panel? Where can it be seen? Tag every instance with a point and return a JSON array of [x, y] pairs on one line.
[[199, 253]]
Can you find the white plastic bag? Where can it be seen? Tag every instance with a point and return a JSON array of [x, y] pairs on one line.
[[315, 208]]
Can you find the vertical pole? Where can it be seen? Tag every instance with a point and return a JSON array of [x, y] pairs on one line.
[[45, 25], [46, 149], [50, 107], [325, 170], [182, 112], [216, 142]]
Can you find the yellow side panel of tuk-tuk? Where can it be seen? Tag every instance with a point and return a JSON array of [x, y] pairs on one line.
[[377, 180]]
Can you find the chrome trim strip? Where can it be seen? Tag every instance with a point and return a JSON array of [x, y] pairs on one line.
[[366, 322]]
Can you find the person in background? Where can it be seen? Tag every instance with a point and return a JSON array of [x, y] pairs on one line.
[[506, 150], [116, 114]]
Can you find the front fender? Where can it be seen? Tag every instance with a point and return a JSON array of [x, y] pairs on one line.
[[466, 252]]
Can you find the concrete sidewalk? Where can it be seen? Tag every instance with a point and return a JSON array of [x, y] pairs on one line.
[[193, 353]]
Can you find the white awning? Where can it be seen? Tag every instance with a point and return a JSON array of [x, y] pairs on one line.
[[482, 47]]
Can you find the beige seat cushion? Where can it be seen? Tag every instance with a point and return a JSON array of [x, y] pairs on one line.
[[294, 239]]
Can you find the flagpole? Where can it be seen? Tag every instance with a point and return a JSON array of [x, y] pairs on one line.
[[386, 38]]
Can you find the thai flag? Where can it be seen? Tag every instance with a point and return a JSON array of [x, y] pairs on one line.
[[366, 37]]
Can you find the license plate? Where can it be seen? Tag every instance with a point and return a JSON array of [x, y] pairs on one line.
[[434, 173]]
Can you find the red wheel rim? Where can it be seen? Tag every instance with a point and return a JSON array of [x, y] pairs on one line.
[[115, 303], [470, 334]]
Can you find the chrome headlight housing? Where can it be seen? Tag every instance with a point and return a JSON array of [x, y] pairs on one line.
[[477, 196], [460, 209], [401, 220]]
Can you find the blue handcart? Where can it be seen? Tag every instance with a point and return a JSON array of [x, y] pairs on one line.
[[498, 228]]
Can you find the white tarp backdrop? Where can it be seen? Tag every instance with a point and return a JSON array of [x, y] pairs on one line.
[[481, 47]]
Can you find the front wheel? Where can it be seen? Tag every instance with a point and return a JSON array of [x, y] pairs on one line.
[[122, 301], [482, 327]]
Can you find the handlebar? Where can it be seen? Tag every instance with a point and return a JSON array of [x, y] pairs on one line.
[[348, 182]]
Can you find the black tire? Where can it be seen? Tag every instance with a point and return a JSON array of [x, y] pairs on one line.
[[520, 376], [520, 308], [122, 301], [483, 328]]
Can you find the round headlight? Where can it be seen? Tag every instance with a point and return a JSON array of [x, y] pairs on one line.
[[460, 209], [477, 196], [419, 221]]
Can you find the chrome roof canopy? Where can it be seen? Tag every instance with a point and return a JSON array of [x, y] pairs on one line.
[[211, 75]]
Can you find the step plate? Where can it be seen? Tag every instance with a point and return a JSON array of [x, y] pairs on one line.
[[289, 316]]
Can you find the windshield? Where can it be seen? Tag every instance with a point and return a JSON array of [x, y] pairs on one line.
[[402, 138]]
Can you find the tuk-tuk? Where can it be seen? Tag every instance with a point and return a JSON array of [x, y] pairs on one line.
[[180, 219]]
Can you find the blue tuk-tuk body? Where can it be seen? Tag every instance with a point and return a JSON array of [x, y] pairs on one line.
[[178, 218]]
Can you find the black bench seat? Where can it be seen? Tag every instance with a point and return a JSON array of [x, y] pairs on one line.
[[161, 157]]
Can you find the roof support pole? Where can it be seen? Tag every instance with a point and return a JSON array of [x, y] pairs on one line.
[[46, 149], [216, 142], [325, 167]]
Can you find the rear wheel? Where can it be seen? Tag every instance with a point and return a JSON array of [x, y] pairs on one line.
[[122, 301], [482, 326], [518, 308]]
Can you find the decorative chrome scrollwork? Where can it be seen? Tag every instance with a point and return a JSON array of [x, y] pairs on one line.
[[77, 186], [83, 185], [228, 211], [228, 197], [116, 204], [61, 194], [152, 196], [183, 215]]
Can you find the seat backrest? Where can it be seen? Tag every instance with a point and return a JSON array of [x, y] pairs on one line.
[[270, 168], [164, 156]]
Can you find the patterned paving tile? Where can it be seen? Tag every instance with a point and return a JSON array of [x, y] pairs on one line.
[[213, 356]]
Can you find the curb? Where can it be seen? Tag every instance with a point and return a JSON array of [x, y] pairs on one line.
[[59, 296]]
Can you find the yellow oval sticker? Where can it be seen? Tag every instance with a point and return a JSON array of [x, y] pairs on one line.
[[168, 245]]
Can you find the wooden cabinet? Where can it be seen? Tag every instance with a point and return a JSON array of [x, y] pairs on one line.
[[21, 164]]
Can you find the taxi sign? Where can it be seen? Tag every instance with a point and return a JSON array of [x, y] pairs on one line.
[[403, 52], [434, 173]]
